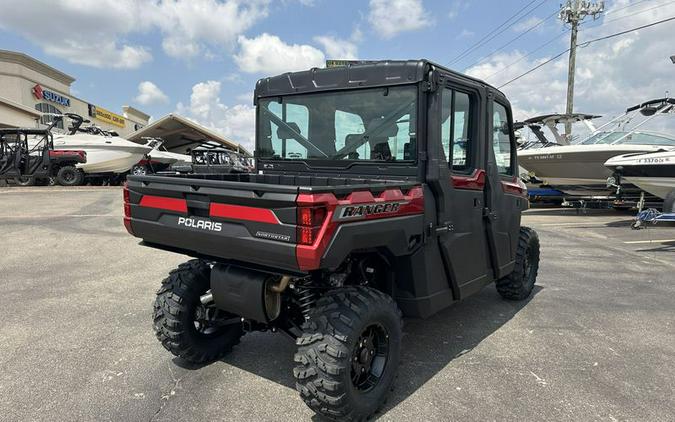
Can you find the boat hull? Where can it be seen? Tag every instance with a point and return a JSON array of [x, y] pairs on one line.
[[104, 154], [653, 173], [576, 170]]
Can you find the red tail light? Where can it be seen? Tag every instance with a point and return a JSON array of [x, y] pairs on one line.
[[127, 209], [310, 220]]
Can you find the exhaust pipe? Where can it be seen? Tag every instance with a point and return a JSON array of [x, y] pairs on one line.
[[207, 298]]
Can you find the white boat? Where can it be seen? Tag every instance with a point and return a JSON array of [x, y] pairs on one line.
[[652, 172], [106, 151], [160, 154], [578, 169], [159, 158]]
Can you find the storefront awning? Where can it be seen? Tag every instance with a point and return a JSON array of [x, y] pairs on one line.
[[181, 135]]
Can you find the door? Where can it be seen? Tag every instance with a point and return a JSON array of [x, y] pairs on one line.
[[505, 194], [464, 243]]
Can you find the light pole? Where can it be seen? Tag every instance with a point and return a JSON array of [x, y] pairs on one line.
[[572, 13]]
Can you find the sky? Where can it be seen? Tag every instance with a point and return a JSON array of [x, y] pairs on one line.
[[201, 58]]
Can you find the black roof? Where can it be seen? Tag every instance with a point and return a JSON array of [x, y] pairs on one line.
[[353, 75], [655, 102]]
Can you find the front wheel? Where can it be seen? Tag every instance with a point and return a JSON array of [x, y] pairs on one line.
[[519, 284], [187, 328], [24, 181], [348, 353]]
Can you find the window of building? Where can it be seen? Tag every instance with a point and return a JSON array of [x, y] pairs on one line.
[[48, 108], [501, 139], [455, 129]]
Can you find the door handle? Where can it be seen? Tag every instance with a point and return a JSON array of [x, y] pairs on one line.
[[446, 228]]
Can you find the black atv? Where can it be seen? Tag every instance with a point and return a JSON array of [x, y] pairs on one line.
[[382, 190]]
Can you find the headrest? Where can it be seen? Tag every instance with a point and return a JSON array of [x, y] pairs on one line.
[[353, 138], [387, 130], [284, 133]]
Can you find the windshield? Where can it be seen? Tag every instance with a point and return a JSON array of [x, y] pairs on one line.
[[367, 124], [632, 138]]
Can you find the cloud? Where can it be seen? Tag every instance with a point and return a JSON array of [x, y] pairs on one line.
[[528, 23], [465, 34], [391, 17], [336, 48], [456, 7], [270, 55], [189, 25], [149, 93], [237, 123], [95, 33], [611, 75]]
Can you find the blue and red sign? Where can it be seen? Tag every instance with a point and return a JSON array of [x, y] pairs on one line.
[[43, 94]]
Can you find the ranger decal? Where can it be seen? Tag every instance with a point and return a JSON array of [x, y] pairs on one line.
[[346, 212]]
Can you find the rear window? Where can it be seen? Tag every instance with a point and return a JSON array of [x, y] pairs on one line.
[[367, 124]]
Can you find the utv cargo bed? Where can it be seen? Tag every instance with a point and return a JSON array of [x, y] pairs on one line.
[[255, 218]]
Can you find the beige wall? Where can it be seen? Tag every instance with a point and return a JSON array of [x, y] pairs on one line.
[[16, 84]]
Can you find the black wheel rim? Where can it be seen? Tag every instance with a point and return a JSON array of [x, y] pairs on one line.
[[369, 357], [210, 321], [68, 176]]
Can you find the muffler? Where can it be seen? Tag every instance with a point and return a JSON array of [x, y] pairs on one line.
[[247, 293]]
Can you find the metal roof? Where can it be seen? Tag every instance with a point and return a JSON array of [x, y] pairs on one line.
[[180, 134]]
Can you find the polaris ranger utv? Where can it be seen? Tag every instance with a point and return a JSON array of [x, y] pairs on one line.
[[383, 189], [28, 162]]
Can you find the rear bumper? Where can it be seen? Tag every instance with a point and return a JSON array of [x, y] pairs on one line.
[[234, 242]]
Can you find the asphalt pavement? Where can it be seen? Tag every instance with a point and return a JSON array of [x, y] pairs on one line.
[[596, 342]]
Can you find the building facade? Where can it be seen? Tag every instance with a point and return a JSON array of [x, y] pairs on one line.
[[30, 88]]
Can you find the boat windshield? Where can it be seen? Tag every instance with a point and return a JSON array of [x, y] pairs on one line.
[[629, 138]]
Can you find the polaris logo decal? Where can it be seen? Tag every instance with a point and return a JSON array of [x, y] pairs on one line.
[[346, 212], [200, 224], [273, 236]]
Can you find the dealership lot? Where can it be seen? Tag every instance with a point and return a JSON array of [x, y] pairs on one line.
[[596, 341]]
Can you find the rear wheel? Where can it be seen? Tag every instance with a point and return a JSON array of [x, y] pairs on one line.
[[669, 203], [69, 176], [187, 328], [348, 354], [519, 284], [24, 181], [139, 170]]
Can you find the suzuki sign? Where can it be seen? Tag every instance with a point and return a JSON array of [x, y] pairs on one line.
[[43, 94]]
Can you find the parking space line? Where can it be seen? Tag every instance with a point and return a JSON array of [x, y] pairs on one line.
[[580, 224], [632, 242]]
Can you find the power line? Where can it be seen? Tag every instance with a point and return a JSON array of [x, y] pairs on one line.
[[547, 43], [586, 44], [476, 44], [530, 29]]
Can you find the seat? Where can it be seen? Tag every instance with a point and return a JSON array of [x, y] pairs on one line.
[[381, 150], [285, 133], [351, 140]]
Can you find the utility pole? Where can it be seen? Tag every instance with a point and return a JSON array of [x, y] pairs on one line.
[[572, 13]]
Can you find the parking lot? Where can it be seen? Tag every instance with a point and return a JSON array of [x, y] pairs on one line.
[[595, 342]]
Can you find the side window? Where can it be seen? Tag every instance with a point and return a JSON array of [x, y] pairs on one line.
[[455, 128], [347, 128], [297, 116], [460, 138], [501, 139]]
